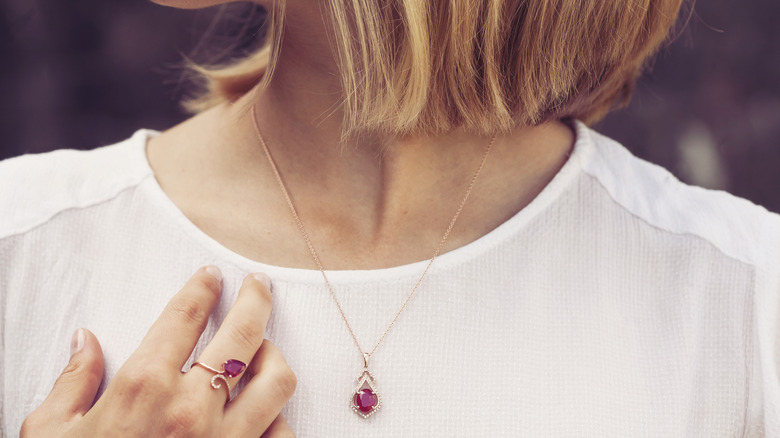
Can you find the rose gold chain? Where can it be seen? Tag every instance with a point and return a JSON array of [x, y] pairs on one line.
[[317, 259]]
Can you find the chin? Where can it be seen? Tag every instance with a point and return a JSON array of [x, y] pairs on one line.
[[191, 4]]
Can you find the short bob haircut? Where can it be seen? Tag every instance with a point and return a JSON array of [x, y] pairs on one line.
[[486, 66]]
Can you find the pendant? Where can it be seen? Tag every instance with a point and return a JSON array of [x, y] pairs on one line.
[[365, 400]]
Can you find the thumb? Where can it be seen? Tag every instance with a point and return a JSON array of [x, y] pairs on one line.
[[74, 391]]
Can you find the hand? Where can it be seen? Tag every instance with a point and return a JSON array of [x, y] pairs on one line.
[[150, 397]]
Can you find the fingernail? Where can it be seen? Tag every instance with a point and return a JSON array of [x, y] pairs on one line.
[[77, 341], [215, 272], [262, 278]]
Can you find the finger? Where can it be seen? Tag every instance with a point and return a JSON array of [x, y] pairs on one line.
[[279, 429], [74, 391], [173, 336], [263, 398], [241, 334]]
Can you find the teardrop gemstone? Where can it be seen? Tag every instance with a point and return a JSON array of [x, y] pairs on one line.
[[233, 367], [365, 400]]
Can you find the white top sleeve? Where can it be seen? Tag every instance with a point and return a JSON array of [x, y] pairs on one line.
[[765, 412]]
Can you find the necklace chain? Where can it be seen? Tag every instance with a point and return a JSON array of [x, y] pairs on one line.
[[313, 252]]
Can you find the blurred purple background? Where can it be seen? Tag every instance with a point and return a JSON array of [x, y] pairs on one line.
[[89, 73]]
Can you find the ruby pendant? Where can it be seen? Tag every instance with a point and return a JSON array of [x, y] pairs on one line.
[[365, 400]]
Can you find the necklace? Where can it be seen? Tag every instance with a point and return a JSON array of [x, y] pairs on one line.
[[365, 399]]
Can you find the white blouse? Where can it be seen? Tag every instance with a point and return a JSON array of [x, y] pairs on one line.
[[619, 303]]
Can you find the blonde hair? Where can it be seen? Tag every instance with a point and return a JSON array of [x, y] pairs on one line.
[[432, 66]]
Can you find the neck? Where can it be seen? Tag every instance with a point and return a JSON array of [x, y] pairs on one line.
[[366, 201]]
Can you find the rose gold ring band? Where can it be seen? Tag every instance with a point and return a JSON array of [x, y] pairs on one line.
[[230, 368]]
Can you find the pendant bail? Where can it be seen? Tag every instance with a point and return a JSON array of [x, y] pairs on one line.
[[365, 360]]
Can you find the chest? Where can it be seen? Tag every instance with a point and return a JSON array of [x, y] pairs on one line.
[[468, 357]]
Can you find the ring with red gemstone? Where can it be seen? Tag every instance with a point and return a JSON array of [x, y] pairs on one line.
[[230, 368]]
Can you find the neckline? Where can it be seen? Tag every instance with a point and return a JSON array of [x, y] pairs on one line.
[[561, 180]]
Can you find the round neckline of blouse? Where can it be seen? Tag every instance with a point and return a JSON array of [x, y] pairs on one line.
[[447, 260]]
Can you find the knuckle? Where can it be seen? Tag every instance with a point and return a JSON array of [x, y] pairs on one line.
[[186, 419], [26, 428], [285, 382], [260, 290], [247, 335], [258, 412], [71, 371], [142, 380], [78, 371], [80, 368], [208, 282], [242, 424], [32, 424], [189, 310]]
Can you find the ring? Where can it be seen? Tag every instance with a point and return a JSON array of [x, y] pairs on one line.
[[230, 368]]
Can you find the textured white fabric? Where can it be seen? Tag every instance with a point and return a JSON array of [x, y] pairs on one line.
[[619, 303]]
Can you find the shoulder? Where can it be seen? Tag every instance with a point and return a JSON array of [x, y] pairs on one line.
[[737, 227], [34, 188]]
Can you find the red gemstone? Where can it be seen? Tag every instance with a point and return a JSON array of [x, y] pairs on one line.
[[365, 400], [233, 367]]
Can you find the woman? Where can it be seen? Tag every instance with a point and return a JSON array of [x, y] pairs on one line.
[[579, 290]]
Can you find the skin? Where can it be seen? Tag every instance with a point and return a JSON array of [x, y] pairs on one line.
[[367, 210], [150, 397], [365, 207]]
